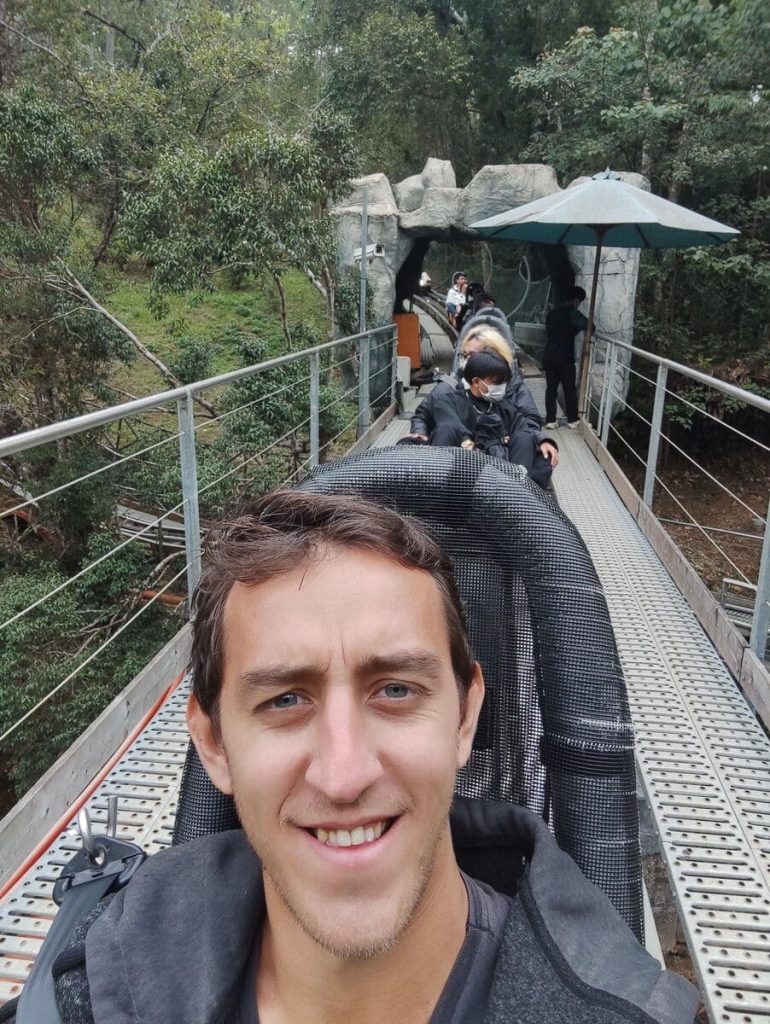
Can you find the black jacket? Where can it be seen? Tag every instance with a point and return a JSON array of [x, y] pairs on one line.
[[450, 400], [562, 324], [173, 946]]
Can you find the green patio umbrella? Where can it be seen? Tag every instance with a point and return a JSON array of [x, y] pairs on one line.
[[604, 211]]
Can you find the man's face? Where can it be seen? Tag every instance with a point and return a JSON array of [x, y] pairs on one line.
[[341, 734]]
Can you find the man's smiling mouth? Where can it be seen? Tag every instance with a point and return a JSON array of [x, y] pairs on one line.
[[352, 837]]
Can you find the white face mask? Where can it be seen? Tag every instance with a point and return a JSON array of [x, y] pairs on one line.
[[461, 361], [496, 392]]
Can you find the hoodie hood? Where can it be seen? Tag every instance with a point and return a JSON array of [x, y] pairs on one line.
[[174, 944]]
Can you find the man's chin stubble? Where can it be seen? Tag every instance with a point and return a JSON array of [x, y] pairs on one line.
[[376, 946]]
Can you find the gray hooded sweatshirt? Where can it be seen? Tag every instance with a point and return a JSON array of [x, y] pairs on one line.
[[173, 946]]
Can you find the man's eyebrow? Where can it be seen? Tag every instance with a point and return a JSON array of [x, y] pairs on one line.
[[277, 676], [423, 663]]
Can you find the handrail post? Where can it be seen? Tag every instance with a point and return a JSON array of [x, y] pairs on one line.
[[760, 620], [610, 369], [603, 395], [393, 365], [651, 466], [189, 473], [364, 258], [315, 402], [364, 360], [586, 410]]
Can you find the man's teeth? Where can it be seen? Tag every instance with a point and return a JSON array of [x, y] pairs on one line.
[[357, 836]]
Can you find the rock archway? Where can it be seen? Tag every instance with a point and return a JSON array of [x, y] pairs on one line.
[[404, 218]]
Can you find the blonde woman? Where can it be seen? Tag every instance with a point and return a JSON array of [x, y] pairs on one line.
[[447, 416], [484, 338]]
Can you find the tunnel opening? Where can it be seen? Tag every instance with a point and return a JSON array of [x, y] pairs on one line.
[[524, 280]]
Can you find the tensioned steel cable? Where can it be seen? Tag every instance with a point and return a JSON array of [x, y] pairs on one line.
[[697, 408], [248, 405], [340, 433], [689, 458], [636, 373], [92, 565], [700, 409], [296, 472], [345, 396], [90, 658], [686, 511], [89, 476], [251, 458], [716, 419], [354, 420]]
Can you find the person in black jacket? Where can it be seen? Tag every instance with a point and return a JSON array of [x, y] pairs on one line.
[[561, 325], [484, 337], [480, 411]]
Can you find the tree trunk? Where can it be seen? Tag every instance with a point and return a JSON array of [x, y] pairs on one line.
[[646, 160], [284, 320], [330, 300]]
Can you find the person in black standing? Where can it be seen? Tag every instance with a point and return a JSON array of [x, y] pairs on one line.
[[561, 325]]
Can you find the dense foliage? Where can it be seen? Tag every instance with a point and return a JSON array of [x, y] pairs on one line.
[[676, 91], [168, 140], [197, 144]]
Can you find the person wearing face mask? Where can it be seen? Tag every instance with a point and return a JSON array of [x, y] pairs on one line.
[[479, 412], [484, 337]]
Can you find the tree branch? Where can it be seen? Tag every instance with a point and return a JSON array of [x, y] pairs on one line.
[[315, 282], [284, 320], [51, 53], [111, 24], [83, 292]]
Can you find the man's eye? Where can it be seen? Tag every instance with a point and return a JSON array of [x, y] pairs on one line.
[[285, 701], [396, 691]]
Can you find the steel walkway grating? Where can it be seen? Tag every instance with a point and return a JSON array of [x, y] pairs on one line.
[[704, 759], [146, 780]]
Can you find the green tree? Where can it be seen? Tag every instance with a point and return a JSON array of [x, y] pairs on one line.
[[257, 204], [668, 93], [424, 79]]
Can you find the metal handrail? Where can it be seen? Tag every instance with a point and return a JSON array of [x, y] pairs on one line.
[[188, 460], [56, 431], [703, 378], [608, 393]]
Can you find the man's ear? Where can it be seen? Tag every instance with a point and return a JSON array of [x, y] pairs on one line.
[[210, 749], [473, 701]]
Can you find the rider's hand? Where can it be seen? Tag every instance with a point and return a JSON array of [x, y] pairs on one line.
[[550, 452]]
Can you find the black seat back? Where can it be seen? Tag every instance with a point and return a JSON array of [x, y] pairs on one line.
[[555, 733]]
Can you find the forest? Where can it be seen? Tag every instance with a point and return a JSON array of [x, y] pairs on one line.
[[166, 173]]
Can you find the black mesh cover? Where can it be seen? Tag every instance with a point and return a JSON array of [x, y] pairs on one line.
[[555, 733]]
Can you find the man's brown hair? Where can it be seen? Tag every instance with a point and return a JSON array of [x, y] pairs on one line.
[[285, 529]]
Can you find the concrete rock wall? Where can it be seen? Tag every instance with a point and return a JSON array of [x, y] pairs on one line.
[[429, 205]]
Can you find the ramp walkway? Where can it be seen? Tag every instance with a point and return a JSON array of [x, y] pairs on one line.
[[704, 762], [146, 780], [703, 758]]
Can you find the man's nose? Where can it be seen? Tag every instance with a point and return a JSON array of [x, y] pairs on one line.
[[344, 762]]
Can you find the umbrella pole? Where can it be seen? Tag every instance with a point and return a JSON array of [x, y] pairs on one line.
[[588, 337]]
